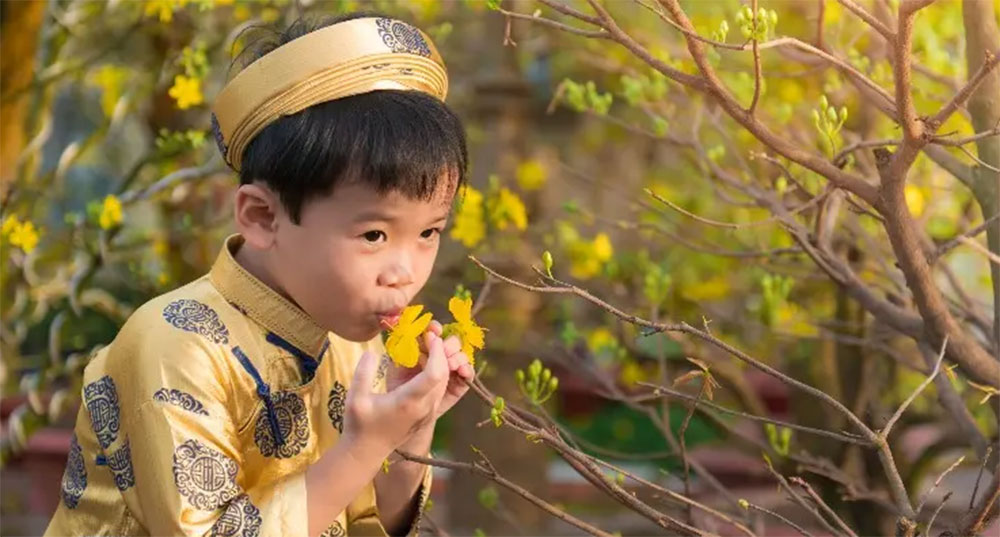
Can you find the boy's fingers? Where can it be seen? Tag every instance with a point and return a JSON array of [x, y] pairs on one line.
[[436, 328], [434, 371], [364, 373], [466, 371], [452, 345]]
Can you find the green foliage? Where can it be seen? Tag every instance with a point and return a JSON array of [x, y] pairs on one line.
[[759, 28], [585, 97], [778, 438], [488, 497], [496, 413]]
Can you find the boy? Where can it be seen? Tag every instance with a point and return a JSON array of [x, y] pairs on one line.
[[250, 401]]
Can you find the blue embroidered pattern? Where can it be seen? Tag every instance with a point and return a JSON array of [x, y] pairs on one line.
[[335, 530], [74, 479], [179, 398], [101, 399], [120, 463], [335, 405], [401, 37], [289, 411], [204, 476], [193, 316], [241, 517]]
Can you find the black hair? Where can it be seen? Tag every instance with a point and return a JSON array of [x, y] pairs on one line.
[[393, 140]]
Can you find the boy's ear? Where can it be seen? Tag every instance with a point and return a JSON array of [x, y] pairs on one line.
[[256, 209]]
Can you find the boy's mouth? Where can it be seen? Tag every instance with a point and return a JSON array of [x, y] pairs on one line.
[[388, 319]]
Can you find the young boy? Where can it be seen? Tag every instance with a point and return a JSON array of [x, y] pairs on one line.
[[252, 401]]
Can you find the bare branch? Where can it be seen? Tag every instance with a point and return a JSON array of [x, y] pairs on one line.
[[823, 505], [992, 257], [489, 473], [992, 59], [597, 34], [756, 63], [937, 482], [870, 19], [884, 433], [843, 437]]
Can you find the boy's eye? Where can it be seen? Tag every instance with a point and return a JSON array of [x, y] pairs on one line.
[[428, 233], [374, 236]]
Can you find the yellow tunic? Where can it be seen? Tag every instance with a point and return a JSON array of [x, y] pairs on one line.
[[202, 415]]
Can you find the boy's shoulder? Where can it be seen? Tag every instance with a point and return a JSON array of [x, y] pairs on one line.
[[186, 332]]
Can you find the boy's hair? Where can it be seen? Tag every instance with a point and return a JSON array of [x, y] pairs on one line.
[[392, 140]]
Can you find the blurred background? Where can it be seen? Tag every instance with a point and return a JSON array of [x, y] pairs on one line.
[[113, 192]]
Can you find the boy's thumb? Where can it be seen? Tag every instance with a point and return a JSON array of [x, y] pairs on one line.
[[364, 372]]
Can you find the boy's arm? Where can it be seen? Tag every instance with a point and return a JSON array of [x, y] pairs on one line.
[[402, 491]]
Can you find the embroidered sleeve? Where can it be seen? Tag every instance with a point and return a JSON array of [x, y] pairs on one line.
[[173, 383]]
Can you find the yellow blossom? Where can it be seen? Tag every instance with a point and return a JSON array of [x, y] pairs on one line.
[[24, 235], [507, 208], [111, 212], [186, 91], [587, 258], [914, 199], [9, 224], [469, 227], [111, 79], [465, 327], [402, 345], [531, 175], [164, 9]]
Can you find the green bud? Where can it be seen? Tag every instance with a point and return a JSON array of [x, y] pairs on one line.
[[843, 113], [823, 103], [744, 504], [546, 374], [553, 383], [815, 115], [547, 261], [519, 376]]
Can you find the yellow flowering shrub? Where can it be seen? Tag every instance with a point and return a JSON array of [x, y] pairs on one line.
[[186, 91], [111, 212], [469, 226]]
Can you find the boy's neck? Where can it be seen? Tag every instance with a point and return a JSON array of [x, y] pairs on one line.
[[255, 262]]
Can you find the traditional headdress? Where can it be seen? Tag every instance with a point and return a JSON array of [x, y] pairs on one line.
[[344, 59]]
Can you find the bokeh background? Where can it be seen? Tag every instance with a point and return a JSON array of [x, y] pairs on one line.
[[113, 192]]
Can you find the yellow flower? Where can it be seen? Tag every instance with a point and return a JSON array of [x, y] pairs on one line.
[[602, 247], [402, 345], [914, 199], [507, 208], [587, 258], [531, 175], [186, 91], [9, 224], [469, 227], [24, 235], [164, 9], [111, 212], [465, 327], [111, 79]]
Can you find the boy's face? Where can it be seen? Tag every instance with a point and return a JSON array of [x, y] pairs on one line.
[[357, 258]]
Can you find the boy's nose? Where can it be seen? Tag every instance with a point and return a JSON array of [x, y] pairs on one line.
[[395, 276]]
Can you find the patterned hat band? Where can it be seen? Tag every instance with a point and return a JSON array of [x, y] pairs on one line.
[[347, 58]]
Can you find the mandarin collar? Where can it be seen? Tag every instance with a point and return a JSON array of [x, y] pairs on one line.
[[262, 303]]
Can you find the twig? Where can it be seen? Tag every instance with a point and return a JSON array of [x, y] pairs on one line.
[[488, 472], [438, 530], [884, 433], [979, 476], [783, 483], [870, 19], [673, 495], [843, 437], [937, 482], [756, 63], [597, 34], [767, 511], [930, 524], [944, 248], [731, 225], [994, 258], [992, 59], [978, 160], [826, 508]]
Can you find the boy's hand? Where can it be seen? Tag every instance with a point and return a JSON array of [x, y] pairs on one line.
[[460, 370], [382, 422]]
